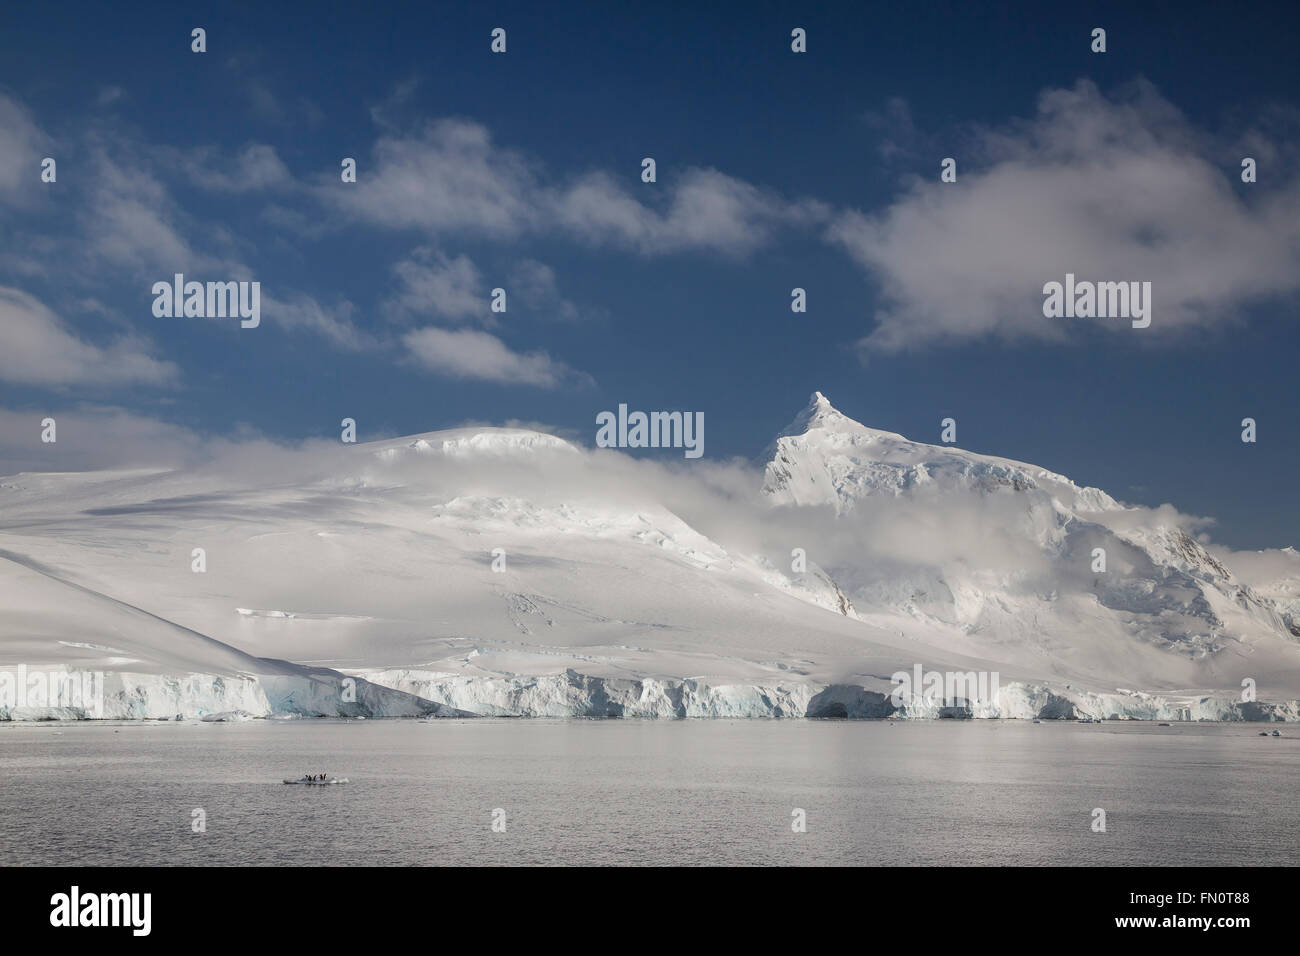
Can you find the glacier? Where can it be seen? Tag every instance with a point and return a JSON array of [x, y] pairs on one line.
[[578, 695], [131, 696], [507, 572]]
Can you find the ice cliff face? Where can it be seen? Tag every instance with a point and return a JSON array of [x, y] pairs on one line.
[[578, 695], [129, 696], [414, 693]]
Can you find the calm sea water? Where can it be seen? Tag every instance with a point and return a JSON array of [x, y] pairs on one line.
[[647, 792]]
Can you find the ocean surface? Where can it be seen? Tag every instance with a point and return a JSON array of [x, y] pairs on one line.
[[649, 792]]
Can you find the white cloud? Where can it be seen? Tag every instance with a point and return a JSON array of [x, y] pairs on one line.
[[91, 437], [1108, 189], [449, 177], [434, 284], [22, 146], [257, 166], [1276, 570], [534, 283], [303, 312], [37, 348], [452, 179], [471, 354], [131, 222], [706, 209]]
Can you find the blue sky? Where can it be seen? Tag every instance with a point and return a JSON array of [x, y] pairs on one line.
[[775, 170]]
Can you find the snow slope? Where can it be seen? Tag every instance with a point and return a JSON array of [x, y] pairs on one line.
[[620, 589]]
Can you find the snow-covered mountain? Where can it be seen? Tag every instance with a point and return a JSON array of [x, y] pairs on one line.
[[825, 457], [506, 571], [1162, 587]]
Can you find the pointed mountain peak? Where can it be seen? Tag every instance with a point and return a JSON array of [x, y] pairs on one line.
[[819, 413]]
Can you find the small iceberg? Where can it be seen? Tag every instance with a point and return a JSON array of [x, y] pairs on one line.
[[1263, 733], [308, 782], [226, 716], [1277, 733]]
